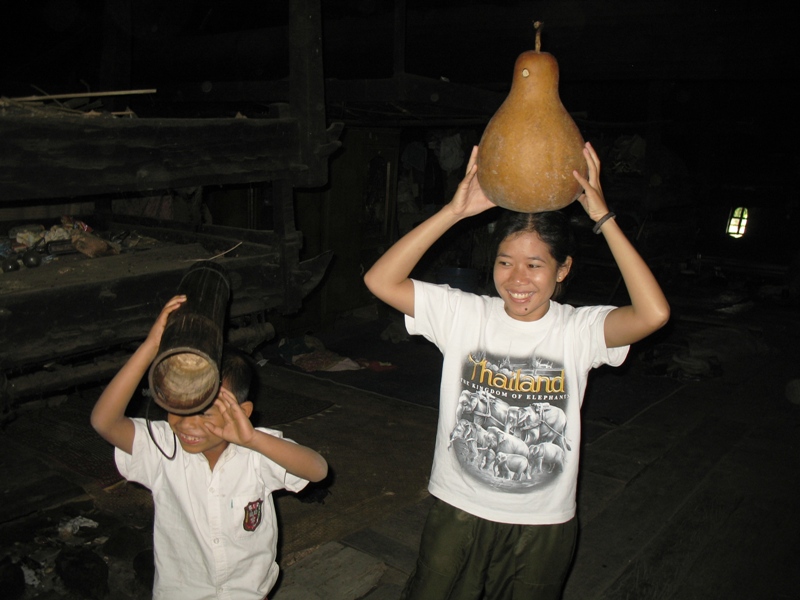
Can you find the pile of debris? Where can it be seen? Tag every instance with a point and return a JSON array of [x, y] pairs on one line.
[[30, 246]]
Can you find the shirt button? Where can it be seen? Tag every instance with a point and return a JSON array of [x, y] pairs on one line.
[[216, 540]]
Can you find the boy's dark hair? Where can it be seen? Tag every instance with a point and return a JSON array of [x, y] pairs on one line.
[[236, 370], [553, 227]]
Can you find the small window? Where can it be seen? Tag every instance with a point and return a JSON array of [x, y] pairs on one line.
[[737, 222]]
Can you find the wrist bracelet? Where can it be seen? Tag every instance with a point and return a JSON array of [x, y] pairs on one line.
[[599, 224]]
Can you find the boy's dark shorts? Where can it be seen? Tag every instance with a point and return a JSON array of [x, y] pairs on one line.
[[465, 557]]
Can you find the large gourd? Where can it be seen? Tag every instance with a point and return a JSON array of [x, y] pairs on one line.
[[531, 145]]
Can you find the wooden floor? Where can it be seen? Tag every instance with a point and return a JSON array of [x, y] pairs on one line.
[[692, 498], [691, 494]]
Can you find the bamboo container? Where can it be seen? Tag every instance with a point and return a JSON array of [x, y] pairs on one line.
[[185, 376]]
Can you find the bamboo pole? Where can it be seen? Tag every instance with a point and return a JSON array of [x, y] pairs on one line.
[[84, 95]]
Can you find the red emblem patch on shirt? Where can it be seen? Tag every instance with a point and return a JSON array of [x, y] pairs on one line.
[[252, 515]]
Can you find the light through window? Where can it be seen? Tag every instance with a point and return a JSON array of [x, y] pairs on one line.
[[737, 222]]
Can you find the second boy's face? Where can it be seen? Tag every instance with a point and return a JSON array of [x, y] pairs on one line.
[[191, 431], [525, 276], [193, 434]]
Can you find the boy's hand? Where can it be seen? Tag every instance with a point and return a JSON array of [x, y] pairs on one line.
[[108, 416], [157, 330], [237, 428]]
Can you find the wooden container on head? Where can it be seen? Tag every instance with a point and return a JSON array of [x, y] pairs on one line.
[[184, 378]]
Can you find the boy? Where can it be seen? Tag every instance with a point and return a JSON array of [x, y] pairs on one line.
[[215, 532]]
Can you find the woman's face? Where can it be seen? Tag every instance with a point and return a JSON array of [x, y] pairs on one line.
[[525, 275]]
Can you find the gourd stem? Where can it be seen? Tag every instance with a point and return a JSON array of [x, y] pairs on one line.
[[538, 26]]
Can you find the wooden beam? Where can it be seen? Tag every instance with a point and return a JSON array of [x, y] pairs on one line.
[[65, 157]]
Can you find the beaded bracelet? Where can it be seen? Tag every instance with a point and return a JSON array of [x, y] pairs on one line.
[[599, 224]]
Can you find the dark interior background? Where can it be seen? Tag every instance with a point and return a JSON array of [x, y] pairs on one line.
[[720, 74], [710, 85]]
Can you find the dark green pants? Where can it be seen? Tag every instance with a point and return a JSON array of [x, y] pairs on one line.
[[464, 557]]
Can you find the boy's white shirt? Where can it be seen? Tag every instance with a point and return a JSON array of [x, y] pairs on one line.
[[489, 355], [215, 532]]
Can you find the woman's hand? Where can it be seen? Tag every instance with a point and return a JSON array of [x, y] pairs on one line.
[[592, 199], [469, 199]]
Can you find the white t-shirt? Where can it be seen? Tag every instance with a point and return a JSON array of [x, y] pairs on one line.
[[508, 438], [215, 533]]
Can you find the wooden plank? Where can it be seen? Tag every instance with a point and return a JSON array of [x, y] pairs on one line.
[[332, 572], [46, 492], [61, 377], [93, 303], [389, 550], [678, 413], [386, 592], [612, 539], [419, 91], [406, 525], [307, 91], [29, 484], [642, 447], [729, 540], [652, 40], [358, 430], [595, 492], [62, 157], [86, 95]]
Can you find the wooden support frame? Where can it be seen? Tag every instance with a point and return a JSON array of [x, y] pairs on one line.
[[90, 307]]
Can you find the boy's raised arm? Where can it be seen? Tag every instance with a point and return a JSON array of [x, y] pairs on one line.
[[108, 416], [298, 460]]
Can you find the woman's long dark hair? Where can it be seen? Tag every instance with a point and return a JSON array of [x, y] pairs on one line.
[[553, 227]]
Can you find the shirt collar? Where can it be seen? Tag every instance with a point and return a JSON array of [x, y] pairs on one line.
[[226, 455]]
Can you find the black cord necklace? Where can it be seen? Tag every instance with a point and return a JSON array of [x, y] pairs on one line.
[[152, 437]]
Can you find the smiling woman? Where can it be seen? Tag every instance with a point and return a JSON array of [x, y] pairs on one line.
[[552, 244], [526, 275], [496, 436]]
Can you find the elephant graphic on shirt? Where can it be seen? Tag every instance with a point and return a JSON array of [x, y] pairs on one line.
[[541, 422]]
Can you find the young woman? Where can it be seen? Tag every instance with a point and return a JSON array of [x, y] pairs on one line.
[[513, 379]]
